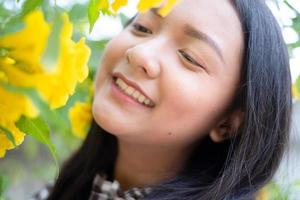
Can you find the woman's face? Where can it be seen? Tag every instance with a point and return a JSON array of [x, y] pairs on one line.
[[186, 66]]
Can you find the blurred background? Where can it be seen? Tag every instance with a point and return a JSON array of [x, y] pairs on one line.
[[29, 167]]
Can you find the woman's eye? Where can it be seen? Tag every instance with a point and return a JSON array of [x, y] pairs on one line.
[[141, 28], [188, 58]]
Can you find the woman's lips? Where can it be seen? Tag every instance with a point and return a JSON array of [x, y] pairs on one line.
[[134, 87]]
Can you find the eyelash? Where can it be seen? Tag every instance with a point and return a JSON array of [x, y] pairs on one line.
[[188, 58], [142, 29]]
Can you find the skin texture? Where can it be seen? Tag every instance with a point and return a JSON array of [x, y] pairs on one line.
[[191, 97]]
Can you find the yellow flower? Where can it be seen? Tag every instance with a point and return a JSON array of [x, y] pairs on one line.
[[71, 67], [163, 11], [3, 77], [12, 107], [145, 5], [27, 46], [296, 92], [103, 4], [20, 65], [80, 118], [117, 4], [164, 6]]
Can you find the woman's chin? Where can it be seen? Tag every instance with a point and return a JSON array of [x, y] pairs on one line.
[[106, 119]]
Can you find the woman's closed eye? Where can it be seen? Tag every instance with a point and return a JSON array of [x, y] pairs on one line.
[[141, 29], [188, 58]]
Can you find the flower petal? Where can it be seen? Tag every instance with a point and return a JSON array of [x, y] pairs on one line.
[[117, 4], [80, 117]]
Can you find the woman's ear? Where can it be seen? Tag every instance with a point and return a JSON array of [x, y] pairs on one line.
[[227, 127]]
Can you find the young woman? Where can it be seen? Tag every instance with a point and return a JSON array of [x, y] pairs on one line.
[[194, 105]]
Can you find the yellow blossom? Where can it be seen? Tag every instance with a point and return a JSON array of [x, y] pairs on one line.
[[296, 92], [3, 77], [117, 4], [103, 4], [165, 6], [80, 117], [12, 107], [70, 68], [24, 50], [145, 5], [20, 65], [27, 46]]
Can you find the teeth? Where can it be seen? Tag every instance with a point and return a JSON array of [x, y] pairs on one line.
[[147, 101], [122, 84], [132, 92], [129, 90], [141, 98], [136, 94]]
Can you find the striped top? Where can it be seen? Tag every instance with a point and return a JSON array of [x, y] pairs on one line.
[[103, 189], [106, 190]]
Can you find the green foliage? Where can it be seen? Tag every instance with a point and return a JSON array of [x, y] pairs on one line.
[[95, 7], [39, 130], [10, 25], [3, 185], [93, 13], [275, 191], [30, 5], [50, 55], [97, 49], [11, 21], [76, 13], [295, 24], [9, 135], [124, 19], [298, 83]]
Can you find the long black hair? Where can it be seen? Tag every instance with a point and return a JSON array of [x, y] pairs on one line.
[[234, 169]]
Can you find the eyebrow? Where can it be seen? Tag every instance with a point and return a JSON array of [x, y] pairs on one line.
[[194, 33]]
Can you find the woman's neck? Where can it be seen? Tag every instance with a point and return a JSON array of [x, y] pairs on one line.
[[139, 166]]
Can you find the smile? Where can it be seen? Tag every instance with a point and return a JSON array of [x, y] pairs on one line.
[[130, 91]]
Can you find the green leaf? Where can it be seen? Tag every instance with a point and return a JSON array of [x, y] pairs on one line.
[[11, 25], [97, 48], [95, 7], [4, 13], [124, 19], [51, 52], [78, 12], [298, 83], [3, 185], [38, 129], [30, 5], [93, 13], [9, 135]]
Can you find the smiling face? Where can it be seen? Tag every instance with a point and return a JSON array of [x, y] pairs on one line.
[[186, 66]]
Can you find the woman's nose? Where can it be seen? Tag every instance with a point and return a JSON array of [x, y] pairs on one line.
[[144, 60]]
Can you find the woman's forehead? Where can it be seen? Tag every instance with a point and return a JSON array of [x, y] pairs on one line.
[[215, 22]]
